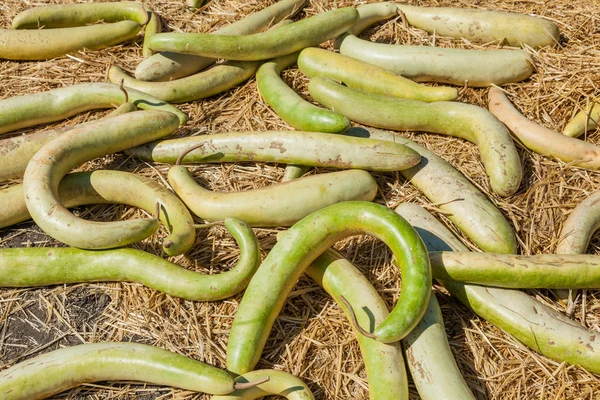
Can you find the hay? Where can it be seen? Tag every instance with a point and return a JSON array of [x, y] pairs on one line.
[[311, 337]]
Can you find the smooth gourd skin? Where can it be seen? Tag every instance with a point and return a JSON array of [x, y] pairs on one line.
[[16, 151], [280, 384], [541, 139], [153, 27], [165, 66], [580, 226], [75, 15], [366, 77], [474, 68], [384, 362], [204, 84], [430, 359], [289, 106], [59, 370], [468, 208], [261, 46], [72, 15], [288, 147], [44, 44], [475, 124], [106, 187], [281, 204], [299, 246], [370, 14], [38, 266], [73, 148], [198, 86], [585, 120], [483, 26], [57, 104], [538, 326]]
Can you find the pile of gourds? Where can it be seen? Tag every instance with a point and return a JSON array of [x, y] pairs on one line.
[[319, 209]]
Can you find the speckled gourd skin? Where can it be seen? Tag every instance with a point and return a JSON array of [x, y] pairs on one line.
[[39, 266], [384, 363], [288, 147], [429, 357], [299, 246], [466, 121], [59, 370], [483, 26], [261, 46], [538, 326], [282, 204], [430, 360]]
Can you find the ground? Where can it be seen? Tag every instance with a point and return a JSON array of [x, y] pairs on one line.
[[312, 338]]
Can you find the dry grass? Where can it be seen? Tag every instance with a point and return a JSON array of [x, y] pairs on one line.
[[312, 338]]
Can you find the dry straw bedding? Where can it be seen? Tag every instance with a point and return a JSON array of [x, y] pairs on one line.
[[312, 338]]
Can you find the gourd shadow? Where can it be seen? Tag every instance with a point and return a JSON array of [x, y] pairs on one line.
[[364, 133], [284, 393], [149, 104], [371, 317], [476, 384], [454, 329]]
